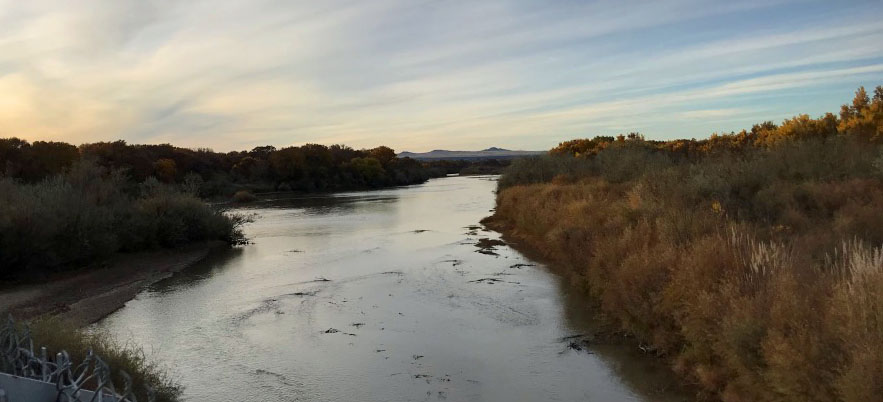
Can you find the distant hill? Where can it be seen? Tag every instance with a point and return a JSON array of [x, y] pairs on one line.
[[490, 153]]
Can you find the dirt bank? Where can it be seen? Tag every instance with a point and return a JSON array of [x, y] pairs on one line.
[[87, 296]]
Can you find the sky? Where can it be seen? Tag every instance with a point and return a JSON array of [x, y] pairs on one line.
[[420, 75]]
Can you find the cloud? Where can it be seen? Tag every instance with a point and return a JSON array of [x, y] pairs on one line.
[[712, 113], [419, 75]]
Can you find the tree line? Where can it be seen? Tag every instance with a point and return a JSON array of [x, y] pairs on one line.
[[862, 121], [311, 167], [64, 207]]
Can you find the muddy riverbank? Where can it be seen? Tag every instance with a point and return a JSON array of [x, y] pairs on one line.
[[86, 296]]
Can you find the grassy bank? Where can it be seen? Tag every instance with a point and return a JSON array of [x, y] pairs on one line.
[[751, 260], [57, 336]]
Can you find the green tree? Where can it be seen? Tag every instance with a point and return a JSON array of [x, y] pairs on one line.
[[369, 170]]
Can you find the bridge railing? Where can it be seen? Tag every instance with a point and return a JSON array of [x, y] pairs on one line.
[[30, 375]]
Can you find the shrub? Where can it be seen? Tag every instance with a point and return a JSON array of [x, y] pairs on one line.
[[88, 213], [758, 274], [56, 335], [244, 196]]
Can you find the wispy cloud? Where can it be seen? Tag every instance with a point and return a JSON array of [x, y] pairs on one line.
[[420, 74], [713, 113]]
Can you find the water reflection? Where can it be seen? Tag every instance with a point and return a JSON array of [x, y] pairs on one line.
[[376, 296], [323, 205], [645, 374], [213, 264]]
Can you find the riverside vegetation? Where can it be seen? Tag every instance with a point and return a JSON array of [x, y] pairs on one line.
[[87, 213], [307, 168], [56, 335], [79, 217], [752, 260], [63, 207], [66, 208]]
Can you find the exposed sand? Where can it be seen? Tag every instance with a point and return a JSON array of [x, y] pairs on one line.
[[88, 296]]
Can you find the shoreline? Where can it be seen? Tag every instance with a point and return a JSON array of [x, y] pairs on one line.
[[604, 333], [604, 330], [91, 294]]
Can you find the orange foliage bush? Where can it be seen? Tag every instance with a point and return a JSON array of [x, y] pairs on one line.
[[863, 119]]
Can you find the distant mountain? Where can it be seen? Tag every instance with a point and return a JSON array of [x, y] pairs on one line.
[[490, 153]]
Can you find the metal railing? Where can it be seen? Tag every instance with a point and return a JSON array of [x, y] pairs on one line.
[[70, 379]]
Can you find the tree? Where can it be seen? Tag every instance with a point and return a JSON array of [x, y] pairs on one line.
[[288, 163], [34, 162], [262, 152], [165, 170], [49, 159], [803, 127], [192, 184], [318, 160], [342, 154], [245, 167], [369, 170], [865, 118], [861, 101], [382, 154], [12, 151], [582, 147]]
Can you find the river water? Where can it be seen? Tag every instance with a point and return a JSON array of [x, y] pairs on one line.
[[379, 296]]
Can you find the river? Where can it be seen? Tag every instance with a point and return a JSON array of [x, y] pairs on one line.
[[379, 296]]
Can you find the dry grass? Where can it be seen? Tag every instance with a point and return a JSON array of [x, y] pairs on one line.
[[244, 197], [56, 336], [760, 278]]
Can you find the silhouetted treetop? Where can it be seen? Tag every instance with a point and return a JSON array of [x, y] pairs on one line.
[[311, 167]]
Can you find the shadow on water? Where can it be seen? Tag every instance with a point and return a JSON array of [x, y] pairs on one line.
[[321, 204], [213, 264], [644, 373]]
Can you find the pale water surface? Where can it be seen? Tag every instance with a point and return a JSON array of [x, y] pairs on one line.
[[379, 296]]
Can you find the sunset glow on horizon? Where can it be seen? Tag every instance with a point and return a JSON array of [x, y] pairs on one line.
[[422, 75]]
